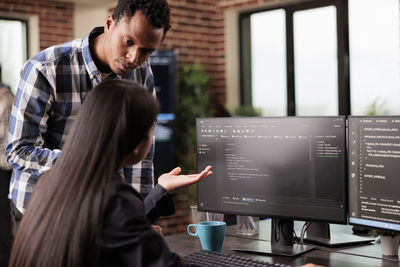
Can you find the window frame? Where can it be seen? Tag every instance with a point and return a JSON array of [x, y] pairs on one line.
[[342, 52], [26, 24]]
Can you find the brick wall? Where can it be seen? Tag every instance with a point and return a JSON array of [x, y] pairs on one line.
[[55, 18], [197, 33]]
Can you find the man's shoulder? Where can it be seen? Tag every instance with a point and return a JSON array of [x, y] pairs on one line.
[[57, 53]]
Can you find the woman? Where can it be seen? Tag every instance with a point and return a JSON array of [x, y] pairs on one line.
[[81, 212]]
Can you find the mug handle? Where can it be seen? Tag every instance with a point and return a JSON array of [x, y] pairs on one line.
[[190, 232]]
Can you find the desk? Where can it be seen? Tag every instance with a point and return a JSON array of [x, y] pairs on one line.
[[183, 244]]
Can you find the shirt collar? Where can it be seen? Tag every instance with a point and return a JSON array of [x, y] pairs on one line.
[[91, 68]]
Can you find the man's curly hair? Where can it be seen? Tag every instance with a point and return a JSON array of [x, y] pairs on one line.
[[157, 12]]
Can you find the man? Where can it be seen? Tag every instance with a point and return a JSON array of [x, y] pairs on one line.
[[54, 83], [6, 100]]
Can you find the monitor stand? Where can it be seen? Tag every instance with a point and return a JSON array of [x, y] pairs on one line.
[[320, 234], [282, 241]]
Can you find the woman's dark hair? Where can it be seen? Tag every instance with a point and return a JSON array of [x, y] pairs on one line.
[[62, 223], [157, 12]]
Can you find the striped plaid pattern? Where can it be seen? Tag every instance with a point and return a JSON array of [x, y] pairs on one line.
[[52, 86]]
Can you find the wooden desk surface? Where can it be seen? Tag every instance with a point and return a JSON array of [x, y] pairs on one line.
[[356, 255]]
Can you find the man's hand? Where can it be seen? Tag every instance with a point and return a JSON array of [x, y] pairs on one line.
[[172, 180]]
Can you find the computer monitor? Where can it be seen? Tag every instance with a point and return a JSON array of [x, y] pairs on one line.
[[374, 171], [286, 168]]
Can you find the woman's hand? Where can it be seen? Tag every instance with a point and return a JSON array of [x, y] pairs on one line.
[[158, 229], [172, 180]]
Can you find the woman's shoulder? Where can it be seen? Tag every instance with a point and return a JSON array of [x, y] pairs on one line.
[[123, 195], [119, 185], [124, 209]]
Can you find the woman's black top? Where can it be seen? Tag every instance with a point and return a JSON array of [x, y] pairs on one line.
[[127, 237]]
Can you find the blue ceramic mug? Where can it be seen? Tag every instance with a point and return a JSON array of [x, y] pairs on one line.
[[211, 234]]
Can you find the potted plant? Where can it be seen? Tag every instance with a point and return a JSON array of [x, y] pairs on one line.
[[377, 107], [389, 241], [193, 102], [247, 111]]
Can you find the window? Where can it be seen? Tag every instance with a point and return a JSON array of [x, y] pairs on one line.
[[268, 62], [374, 57], [13, 52], [315, 61], [295, 55], [342, 57]]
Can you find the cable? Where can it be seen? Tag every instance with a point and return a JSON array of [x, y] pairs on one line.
[[303, 232], [295, 235], [277, 232]]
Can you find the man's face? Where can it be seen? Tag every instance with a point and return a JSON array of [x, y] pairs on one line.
[[130, 42]]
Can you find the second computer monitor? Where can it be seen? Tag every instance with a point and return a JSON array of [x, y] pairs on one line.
[[374, 171], [280, 167]]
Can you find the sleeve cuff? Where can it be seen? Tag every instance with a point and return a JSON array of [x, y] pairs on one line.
[[158, 203]]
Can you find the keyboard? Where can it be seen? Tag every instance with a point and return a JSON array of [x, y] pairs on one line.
[[209, 258]]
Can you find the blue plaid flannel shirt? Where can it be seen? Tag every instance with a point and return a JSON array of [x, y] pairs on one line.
[[52, 86]]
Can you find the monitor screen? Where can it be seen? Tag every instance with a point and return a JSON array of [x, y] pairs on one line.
[[374, 171], [279, 167]]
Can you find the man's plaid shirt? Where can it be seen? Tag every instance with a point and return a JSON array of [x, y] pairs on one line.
[[52, 86]]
